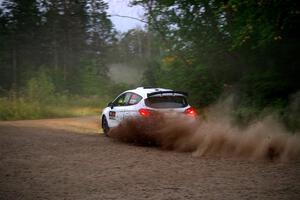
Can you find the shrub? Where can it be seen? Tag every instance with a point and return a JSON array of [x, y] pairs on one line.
[[40, 88]]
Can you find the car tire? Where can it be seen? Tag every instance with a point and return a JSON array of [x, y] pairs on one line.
[[105, 126]]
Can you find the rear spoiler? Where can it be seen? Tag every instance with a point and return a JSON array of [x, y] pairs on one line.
[[167, 92]]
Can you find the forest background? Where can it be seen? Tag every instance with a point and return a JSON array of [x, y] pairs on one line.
[[56, 56]]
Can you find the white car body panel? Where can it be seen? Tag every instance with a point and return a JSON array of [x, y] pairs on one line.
[[123, 112]]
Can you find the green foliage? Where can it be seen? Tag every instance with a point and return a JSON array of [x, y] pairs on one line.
[[249, 46], [265, 87], [56, 36], [18, 109], [53, 58], [40, 88], [259, 23], [90, 81], [198, 81], [60, 106]]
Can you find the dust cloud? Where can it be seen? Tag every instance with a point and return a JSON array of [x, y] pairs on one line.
[[215, 135], [125, 73]]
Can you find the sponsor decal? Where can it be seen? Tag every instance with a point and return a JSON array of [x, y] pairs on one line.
[[112, 115]]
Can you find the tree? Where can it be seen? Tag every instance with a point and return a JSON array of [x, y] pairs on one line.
[[20, 22], [100, 36], [241, 43], [60, 36]]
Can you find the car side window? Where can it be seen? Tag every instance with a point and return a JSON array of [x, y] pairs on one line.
[[126, 99], [120, 101], [135, 98]]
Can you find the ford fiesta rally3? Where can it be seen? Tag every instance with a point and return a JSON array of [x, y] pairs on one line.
[[143, 102]]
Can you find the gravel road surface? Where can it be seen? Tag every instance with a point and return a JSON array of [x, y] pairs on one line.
[[70, 159]]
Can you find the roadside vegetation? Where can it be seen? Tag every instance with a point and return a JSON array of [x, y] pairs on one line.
[[38, 99], [23, 108]]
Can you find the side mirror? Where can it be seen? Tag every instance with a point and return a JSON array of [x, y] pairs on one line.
[[111, 105]]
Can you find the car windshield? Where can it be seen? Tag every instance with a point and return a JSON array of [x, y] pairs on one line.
[[166, 102]]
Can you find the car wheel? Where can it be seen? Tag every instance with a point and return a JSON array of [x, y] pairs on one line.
[[105, 126]]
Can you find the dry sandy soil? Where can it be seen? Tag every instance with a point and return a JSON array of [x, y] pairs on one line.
[[70, 159]]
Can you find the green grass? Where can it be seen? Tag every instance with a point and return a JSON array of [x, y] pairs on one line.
[[54, 107]]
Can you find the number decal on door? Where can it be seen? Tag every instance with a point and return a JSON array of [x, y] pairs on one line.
[[112, 115]]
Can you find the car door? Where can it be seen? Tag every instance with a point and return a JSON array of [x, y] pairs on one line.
[[116, 112], [125, 106]]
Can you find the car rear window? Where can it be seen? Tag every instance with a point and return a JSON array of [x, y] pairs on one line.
[[166, 102]]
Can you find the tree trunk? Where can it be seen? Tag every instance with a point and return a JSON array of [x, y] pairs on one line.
[[55, 55], [14, 67]]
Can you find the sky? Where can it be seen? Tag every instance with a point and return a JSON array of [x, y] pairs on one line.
[[121, 7]]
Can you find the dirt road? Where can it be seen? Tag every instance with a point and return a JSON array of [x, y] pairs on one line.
[[69, 159]]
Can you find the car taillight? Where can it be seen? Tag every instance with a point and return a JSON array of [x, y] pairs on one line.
[[191, 111], [144, 112]]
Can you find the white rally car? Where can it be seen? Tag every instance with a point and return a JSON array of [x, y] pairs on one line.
[[142, 101]]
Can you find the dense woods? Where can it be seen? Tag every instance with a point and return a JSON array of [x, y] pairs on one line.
[[249, 48], [62, 48], [65, 39]]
